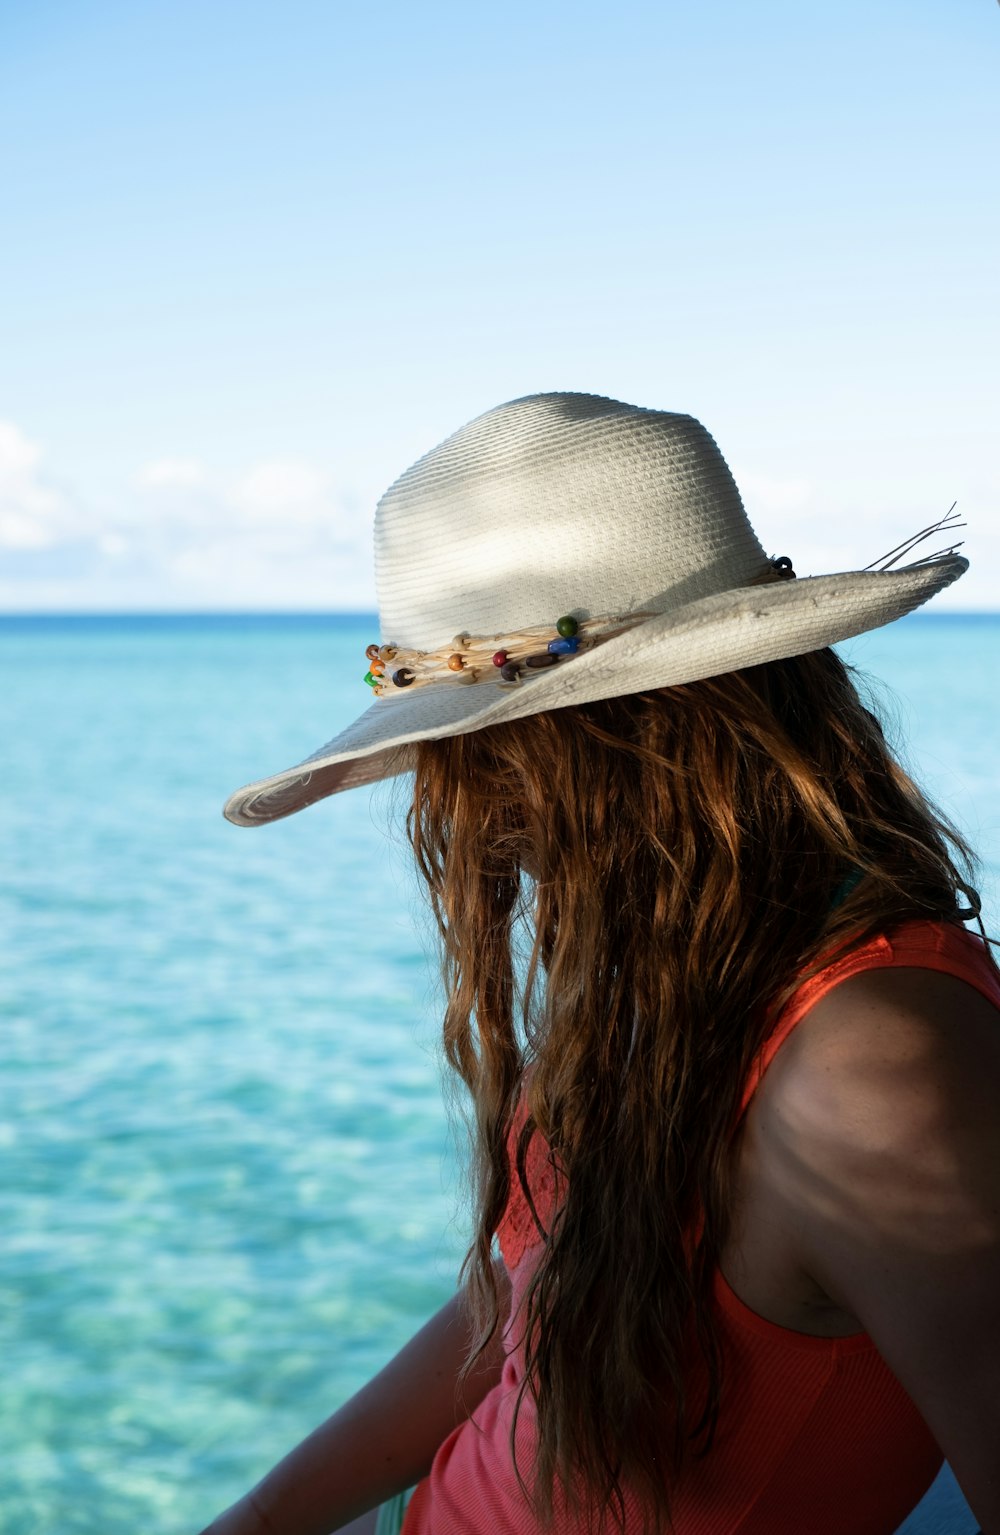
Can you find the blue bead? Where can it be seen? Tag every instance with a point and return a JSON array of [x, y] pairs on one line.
[[564, 647]]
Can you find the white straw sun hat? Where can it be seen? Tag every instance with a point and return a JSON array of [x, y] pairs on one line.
[[563, 548]]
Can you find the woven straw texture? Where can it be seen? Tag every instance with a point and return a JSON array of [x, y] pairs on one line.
[[555, 504], [570, 503]]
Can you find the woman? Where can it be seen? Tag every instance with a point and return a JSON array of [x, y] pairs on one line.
[[737, 1257]]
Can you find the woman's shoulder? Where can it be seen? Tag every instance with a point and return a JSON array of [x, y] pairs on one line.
[[941, 947], [876, 1129], [892, 1049], [888, 1036]]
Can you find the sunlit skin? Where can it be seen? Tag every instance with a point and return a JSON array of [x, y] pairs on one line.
[[378, 1443], [862, 1190], [869, 1199]]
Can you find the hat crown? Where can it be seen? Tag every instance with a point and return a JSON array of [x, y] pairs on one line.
[[574, 504], [558, 503]]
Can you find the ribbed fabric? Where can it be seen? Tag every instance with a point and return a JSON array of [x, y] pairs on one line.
[[815, 1436], [560, 504], [494, 529]]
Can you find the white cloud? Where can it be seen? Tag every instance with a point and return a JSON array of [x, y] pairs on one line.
[[280, 532], [32, 513], [171, 471], [281, 491], [830, 524], [276, 533], [775, 494]]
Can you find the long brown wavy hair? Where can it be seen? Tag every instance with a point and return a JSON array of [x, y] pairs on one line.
[[674, 858]]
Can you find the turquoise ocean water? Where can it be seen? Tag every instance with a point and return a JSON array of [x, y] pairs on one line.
[[228, 1187]]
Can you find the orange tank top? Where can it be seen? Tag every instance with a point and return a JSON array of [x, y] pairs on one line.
[[814, 1434]]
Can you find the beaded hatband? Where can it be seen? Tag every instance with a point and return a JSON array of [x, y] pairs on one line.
[[506, 659]]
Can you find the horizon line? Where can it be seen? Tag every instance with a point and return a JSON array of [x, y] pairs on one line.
[[188, 613], [335, 613]]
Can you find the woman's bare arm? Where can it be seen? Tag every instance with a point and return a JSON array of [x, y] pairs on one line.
[[881, 1124], [381, 1441]]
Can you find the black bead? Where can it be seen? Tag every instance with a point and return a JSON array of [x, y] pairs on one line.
[[402, 678], [510, 671], [544, 659]]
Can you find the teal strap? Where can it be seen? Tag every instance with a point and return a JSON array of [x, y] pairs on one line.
[[390, 1514], [848, 887]]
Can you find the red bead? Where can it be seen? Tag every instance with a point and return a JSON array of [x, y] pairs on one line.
[[500, 658]]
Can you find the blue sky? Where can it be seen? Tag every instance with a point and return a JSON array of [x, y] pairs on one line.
[[257, 259]]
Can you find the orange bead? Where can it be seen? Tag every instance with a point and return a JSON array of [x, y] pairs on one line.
[[377, 668], [455, 662]]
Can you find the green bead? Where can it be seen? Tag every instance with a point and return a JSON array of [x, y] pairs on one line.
[[371, 681], [567, 626]]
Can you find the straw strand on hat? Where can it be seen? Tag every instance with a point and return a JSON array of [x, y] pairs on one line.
[[626, 520]]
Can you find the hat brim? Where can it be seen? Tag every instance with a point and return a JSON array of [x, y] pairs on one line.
[[725, 632]]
